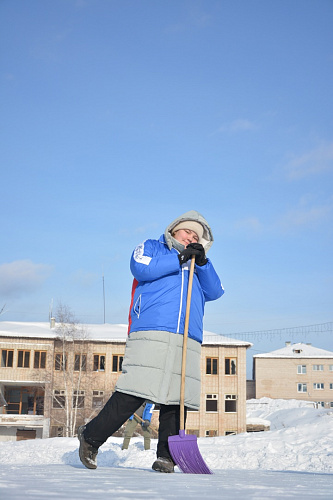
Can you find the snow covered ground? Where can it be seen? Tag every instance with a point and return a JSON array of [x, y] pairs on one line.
[[292, 460]]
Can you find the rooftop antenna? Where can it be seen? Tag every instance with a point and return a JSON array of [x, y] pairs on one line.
[[50, 310], [51, 318]]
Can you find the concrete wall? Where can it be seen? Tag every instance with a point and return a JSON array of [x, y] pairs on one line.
[[250, 389]]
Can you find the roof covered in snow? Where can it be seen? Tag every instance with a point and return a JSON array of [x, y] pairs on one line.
[[297, 351], [214, 338], [100, 332], [104, 332]]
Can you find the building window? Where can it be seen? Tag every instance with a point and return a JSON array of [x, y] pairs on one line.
[[7, 358], [331, 386], [80, 362], [230, 403], [60, 362], [301, 369], [23, 359], [230, 433], [59, 399], [318, 368], [97, 399], [78, 399], [211, 402], [330, 368], [211, 366], [99, 363], [318, 386], [24, 400], [301, 388], [193, 432], [230, 366], [117, 363], [40, 359], [211, 433]]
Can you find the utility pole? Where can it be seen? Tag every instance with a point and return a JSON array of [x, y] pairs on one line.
[[104, 297]]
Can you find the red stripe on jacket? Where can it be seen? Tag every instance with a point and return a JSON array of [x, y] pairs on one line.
[[134, 285]]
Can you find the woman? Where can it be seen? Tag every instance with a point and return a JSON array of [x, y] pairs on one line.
[[152, 363]]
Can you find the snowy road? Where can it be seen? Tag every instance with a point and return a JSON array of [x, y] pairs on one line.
[[293, 460], [75, 482]]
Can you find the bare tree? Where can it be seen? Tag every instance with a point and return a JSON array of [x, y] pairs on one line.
[[70, 367]]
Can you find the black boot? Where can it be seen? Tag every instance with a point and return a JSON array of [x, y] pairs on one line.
[[87, 452], [163, 464]]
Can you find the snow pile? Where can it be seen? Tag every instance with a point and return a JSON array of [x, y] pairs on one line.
[[300, 439], [275, 412]]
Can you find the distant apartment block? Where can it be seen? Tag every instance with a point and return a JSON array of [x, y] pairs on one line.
[[50, 382], [297, 371]]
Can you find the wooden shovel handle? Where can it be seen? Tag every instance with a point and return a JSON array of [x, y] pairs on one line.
[[187, 320], [151, 426]]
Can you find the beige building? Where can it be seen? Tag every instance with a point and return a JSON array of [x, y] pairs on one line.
[[297, 371], [53, 381]]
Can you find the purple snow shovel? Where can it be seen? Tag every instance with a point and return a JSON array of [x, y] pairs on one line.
[[184, 448]]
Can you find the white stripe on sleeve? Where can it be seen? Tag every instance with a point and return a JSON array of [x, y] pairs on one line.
[[139, 257]]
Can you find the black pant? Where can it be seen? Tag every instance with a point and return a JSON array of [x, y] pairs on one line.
[[118, 409]]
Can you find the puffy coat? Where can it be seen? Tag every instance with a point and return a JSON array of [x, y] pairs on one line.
[[160, 289], [152, 363]]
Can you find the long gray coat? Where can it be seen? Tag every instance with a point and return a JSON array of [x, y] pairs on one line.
[[152, 366]]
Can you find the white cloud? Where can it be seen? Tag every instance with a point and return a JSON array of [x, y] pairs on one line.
[[251, 225], [21, 277], [85, 279], [81, 3], [194, 18], [144, 229], [313, 162], [308, 213], [239, 125], [305, 215]]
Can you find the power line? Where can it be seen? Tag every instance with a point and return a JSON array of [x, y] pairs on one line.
[[290, 332]]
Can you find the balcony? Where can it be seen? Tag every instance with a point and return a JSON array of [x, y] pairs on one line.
[[9, 420]]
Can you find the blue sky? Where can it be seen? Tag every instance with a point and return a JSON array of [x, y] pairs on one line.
[[118, 116]]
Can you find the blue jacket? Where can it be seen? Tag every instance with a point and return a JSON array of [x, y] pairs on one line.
[[147, 412], [159, 301]]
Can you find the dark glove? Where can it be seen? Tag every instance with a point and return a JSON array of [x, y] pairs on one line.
[[187, 253], [145, 424], [198, 250]]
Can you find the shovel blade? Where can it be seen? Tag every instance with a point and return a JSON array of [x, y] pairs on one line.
[[185, 453]]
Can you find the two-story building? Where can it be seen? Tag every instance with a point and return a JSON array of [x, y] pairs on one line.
[[52, 384], [297, 371]]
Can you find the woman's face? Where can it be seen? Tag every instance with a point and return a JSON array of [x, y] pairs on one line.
[[186, 236]]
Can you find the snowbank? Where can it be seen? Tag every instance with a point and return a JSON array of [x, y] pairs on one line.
[[300, 439]]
